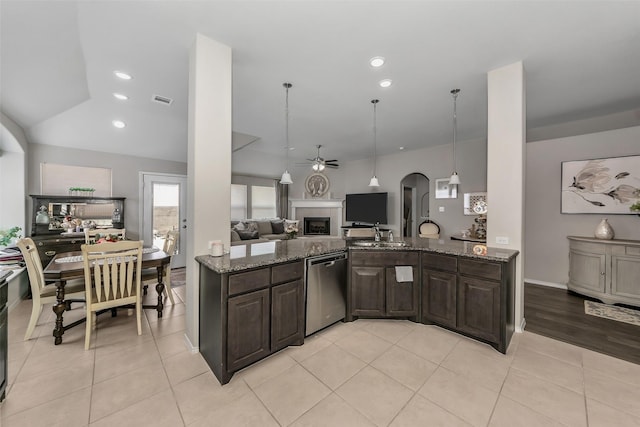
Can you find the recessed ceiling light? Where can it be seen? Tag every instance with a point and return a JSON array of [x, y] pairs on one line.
[[120, 96], [119, 124], [377, 61], [400, 148], [121, 75], [385, 83]]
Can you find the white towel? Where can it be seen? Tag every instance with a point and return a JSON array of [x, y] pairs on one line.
[[404, 273]]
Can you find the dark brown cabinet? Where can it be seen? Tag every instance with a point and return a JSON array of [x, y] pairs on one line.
[[374, 290], [471, 296], [249, 315]]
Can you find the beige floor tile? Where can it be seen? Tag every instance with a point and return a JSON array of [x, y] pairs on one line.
[[69, 411], [48, 386], [601, 415], [184, 366], [291, 394], [246, 411], [339, 330], [118, 393], [460, 395], [419, 411], [509, 413], [201, 395], [551, 400], [560, 350], [405, 367], [159, 410], [363, 345], [482, 364], [333, 365], [171, 344], [166, 326], [549, 369], [136, 356], [312, 345], [375, 395], [390, 330], [330, 412], [430, 342], [266, 369], [614, 393], [616, 368]]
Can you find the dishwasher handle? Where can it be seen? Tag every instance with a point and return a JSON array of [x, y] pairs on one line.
[[327, 261]]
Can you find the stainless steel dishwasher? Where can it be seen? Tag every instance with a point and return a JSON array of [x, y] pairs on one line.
[[326, 289]]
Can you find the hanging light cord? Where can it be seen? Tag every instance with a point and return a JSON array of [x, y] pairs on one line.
[[454, 93], [286, 121], [375, 132]]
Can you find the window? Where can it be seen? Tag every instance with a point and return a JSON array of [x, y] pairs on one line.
[[253, 197], [238, 201], [263, 202]]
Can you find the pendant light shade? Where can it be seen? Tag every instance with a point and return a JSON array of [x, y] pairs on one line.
[[455, 179], [286, 176], [374, 179]]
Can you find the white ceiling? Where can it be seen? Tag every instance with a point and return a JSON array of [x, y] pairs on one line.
[[582, 60]]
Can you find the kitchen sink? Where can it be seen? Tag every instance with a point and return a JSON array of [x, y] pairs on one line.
[[374, 244]]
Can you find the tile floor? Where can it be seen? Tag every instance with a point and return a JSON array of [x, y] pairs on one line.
[[365, 373]]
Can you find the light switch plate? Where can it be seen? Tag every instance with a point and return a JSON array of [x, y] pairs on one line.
[[441, 209], [502, 240]]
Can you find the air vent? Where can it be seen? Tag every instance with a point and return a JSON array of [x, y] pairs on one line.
[[162, 99]]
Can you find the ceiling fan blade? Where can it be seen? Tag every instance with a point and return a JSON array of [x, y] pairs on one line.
[[331, 161]]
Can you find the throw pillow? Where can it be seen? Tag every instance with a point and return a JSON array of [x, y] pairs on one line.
[[248, 234], [264, 227], [235, 236], [240, 226], [277, 226]]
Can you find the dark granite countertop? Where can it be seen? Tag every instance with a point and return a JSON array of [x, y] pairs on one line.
[[244, 257]]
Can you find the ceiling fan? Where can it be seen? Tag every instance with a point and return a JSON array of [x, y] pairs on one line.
[[318, 163]]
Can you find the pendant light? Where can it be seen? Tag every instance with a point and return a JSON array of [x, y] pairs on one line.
[[374, 179], [286, 176], [455, 179]]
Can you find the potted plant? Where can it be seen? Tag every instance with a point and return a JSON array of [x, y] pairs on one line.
[[635, 207]]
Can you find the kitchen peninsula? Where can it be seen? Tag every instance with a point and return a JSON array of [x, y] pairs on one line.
[[252, 299]]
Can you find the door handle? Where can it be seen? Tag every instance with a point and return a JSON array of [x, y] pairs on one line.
[[329, 264], [184, 226]]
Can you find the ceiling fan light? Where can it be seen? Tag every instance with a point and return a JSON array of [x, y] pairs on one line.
[[374, 182], [455, 179], [318, 167], [286, 178]]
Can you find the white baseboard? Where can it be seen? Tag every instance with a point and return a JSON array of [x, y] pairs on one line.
[[192, 348], [520, 328], [548, 284]]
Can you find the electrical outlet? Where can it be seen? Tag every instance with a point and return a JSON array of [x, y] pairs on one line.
[[441, 209], [502, 240]]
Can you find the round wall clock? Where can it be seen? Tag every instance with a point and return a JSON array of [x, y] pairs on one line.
[[317, 184]]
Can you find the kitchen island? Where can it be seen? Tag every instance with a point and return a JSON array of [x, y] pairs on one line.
[[252, 299]]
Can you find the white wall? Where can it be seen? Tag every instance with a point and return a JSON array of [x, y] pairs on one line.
[[125, 170], [13, 174], [546, 246]]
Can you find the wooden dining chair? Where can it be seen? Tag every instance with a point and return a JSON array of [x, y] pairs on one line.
[[90, 235], [150, 275], [41, 292], [112, 272]]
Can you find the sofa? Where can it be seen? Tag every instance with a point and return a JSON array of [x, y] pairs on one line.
[[257, 230]]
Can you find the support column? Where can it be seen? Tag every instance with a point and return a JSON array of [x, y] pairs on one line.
[[506, 138], [209, 163]]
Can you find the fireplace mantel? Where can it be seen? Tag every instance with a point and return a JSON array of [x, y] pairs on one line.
[[333, 204]]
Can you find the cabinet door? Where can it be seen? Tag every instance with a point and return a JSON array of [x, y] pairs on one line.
[[625, 272], [367, 291], [402, 297], [247, 329], [587, 270], [439, 297], [478, 309], [287, 315]]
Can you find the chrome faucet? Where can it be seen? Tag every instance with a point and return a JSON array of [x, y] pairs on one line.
[[376, 228]]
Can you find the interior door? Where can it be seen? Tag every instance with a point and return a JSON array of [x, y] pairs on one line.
[[163, 209]]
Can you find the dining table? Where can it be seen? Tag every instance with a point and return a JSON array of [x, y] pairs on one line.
[[65, 266]]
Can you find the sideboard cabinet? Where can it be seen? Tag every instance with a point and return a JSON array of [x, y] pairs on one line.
[[104, 212], [605, 269]]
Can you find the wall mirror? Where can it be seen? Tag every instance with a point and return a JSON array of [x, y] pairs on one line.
[[414, 203]]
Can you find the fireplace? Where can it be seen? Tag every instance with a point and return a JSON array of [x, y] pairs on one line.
[[318, 226]]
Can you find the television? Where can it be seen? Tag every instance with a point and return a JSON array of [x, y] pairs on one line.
[[366, 208]]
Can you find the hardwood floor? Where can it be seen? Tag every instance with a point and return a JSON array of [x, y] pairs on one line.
[[559, 314]]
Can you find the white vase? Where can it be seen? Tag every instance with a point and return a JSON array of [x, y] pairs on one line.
[[604, 230]]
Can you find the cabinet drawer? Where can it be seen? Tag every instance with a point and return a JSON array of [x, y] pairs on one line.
[[249, 281], [440, 262], [384, 258], [488, 270], [286, 272], [632, 250]]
